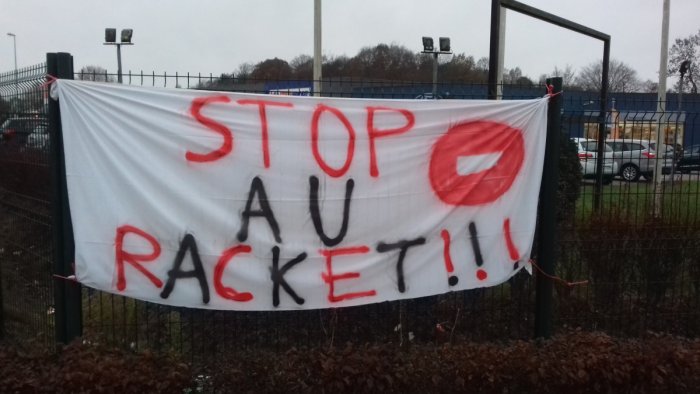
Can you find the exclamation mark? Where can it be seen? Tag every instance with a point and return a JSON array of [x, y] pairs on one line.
[[512, 250], [480, 273], [451, 279]]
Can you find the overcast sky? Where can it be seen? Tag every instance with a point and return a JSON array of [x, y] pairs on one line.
[[217, 36]]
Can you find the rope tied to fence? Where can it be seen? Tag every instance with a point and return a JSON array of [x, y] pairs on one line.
[[50, 79], [557, 279], [550, 91], [69, 278]]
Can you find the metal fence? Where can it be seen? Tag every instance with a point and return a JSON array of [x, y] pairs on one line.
[[26, 243], [641, 269]]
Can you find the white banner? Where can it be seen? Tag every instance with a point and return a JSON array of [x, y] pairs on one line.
[[261, 202]]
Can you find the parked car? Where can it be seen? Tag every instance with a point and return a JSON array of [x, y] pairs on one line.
[[587, 156], [39, 138], [669, 151], [638, 158], [14, 132], [690, 160]]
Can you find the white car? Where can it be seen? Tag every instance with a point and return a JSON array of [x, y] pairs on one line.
[[587, 154], [638, 158]]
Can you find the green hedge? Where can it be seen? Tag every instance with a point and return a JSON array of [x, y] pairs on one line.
[[573, 363]]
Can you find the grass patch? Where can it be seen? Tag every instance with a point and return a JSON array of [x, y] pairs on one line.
[[634, 201]]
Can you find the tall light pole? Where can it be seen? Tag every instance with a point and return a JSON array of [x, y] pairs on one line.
[[14, 43], [661, 107], [111, 39], [685, 66], [317, 48], [429, 48], [501, 54], [663, 57]]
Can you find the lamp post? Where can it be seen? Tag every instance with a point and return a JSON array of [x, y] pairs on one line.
[[429, 48], [111, 39], [14, 43], [661, 106], [317, 67]]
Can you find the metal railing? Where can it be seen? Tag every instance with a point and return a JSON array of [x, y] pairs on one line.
[[640, 268], [26, 245]]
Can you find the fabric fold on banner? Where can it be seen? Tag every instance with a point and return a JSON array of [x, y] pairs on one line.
[[240, 201]]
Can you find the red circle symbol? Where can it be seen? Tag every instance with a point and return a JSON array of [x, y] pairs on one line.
[[473, 139]]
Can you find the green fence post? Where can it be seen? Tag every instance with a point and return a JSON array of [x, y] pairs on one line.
[[547, 239], [67, 294]]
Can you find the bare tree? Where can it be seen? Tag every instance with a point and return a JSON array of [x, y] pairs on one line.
[[621, 77], [512, 75], [483, 64], [461, 68], [95, 73], [382, 61], [567, 74], [686, 49], [650, 86], [385, 62], [335, 66], [302, 67], [244, 71], [272, 69]]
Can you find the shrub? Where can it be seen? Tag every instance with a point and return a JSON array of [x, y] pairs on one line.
[[573, 363], [660, 256], [576, 362], [607, 245], [569, 185], [641, 258], [81, 368]]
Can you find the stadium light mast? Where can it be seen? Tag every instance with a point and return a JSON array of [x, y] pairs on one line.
[[429, 48], [111, 39]]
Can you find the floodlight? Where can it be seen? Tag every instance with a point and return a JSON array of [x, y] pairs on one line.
[[110, 35], [427, 44], [126, 35], [111, 39], [444, 44]]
